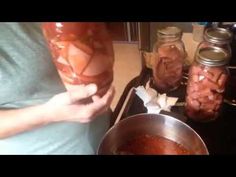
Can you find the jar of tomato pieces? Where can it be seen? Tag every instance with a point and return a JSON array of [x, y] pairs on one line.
[[169, 54], [206, 84], [82, 53]]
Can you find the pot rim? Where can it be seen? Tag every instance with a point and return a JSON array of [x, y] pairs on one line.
[[155, 116]]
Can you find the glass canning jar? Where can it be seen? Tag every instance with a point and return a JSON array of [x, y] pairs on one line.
[[169, 51], [207, 80], [82, 53]]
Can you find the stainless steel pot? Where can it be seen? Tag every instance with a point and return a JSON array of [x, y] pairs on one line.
[[156, 124]]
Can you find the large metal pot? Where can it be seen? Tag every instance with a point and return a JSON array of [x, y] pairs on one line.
[[156, 124]]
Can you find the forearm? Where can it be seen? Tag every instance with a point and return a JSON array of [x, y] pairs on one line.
[[19, 120], [63, 107]]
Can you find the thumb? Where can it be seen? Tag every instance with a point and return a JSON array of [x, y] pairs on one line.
[[76, 94], [81, 92]]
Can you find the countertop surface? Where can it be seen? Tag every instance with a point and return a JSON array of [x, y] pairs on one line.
[[127, 66]]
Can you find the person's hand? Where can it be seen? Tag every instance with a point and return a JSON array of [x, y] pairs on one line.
[[78, 105]]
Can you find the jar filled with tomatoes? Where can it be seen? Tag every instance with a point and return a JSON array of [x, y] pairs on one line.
[[82, 52], [169, 51], [207, 80]]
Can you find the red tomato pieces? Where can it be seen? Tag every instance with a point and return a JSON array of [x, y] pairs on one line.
[[205, 90]]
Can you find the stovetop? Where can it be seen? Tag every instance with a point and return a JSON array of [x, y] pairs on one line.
[[219, 135]]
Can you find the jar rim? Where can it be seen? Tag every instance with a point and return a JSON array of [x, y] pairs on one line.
[[170, 32], [218, 35]]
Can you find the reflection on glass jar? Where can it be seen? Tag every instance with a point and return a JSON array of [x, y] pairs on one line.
[[169, 54], [82, 52], [206, 84]]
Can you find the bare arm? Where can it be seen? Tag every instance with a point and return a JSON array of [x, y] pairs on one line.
[[66, 106], [19, 120]]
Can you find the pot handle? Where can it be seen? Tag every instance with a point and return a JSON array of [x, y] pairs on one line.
[[124, 105]]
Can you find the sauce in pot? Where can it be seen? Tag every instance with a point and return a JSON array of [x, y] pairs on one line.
[[151, 145]]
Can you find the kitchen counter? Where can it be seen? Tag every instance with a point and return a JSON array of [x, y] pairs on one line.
[[127, 66], [190, 45]]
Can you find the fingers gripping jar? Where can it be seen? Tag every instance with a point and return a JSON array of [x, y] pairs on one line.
[[206, 84], [169, 53], [82, 53]]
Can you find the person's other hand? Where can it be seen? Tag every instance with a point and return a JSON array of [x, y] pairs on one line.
[[78, 105]]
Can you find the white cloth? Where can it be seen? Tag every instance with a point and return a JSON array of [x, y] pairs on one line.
[[153, 101]]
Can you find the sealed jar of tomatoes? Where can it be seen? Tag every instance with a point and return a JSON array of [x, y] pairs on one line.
[[82, 52], [207, 80], [219, 37], [169, 51]]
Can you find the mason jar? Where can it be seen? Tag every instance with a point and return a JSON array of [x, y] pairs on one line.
[[219, 37], [169, 51], [207, 80], [82, 53]]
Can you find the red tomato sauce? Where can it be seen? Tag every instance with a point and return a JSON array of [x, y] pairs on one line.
[[151, 145]]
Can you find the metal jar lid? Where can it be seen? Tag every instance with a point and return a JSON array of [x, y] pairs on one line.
[[218, 35], [169, 32], [212, 56]]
